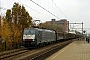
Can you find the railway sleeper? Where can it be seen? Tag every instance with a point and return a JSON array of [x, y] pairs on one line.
[[47, 52]]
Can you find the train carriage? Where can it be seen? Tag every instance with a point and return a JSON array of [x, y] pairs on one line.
[[35, 37], [59, 36]]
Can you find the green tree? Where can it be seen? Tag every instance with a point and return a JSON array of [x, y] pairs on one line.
[[23, 19], [15, 13], [13, 24], [6, 33], [6, 30], [0, 25], [26, 18], [29, 18], [9, 16], [20, 16], [17, 37]]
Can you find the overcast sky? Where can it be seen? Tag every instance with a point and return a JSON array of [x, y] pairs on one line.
[[75, 11]]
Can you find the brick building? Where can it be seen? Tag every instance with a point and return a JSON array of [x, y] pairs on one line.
[[62, 23]]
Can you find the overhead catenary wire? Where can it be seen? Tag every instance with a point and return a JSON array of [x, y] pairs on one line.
[[34, 10], [59, 8], [27, 6], [44, 9]]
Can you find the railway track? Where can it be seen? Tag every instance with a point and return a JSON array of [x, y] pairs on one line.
[[47, 51], [6, 54], [10, 51], [34, 53], [44, 51]]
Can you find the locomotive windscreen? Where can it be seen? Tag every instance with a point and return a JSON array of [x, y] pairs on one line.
[[29, 35], [29, 31]]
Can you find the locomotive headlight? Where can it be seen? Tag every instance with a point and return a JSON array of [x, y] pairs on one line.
[[33, 40], [24, 36], [29, 35]]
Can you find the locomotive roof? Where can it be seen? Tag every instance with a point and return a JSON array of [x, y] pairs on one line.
[[41, 29]]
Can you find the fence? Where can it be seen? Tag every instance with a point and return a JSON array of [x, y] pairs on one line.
[[4, 46]]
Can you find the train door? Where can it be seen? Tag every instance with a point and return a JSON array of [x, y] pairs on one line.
[[39, 37]]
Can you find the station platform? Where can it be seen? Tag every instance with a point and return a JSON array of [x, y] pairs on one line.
[[77, 50]]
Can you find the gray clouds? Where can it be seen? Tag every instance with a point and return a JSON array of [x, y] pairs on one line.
[[75, 10]]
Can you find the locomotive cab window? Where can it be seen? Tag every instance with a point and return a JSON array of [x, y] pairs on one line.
[[29, 32]]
